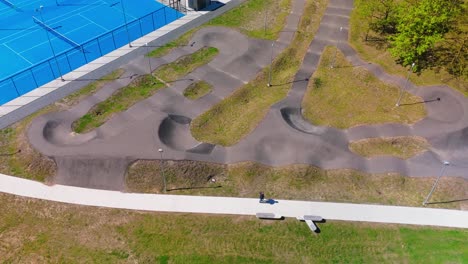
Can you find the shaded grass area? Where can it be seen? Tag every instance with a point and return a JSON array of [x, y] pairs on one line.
[[29, 163], [142, 88], [197, 90], [375, 50], [249, 18], [401, 147], [47, 232], [300, 182], [237, 115], [346, 96]]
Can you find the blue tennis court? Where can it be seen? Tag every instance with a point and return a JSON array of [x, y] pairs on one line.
[[42, 40]]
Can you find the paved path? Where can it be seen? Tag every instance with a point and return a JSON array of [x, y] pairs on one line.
[[235, 206]]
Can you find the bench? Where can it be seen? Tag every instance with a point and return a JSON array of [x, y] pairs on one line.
[[310, 219], [268, 216], [314, 218]]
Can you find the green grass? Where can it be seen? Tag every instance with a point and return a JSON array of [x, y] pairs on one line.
[[142, 88], [237, 115], [249, 18], [376, 52], [401, 147], [297, 182], [47, 232], [347, 96], [197, 90], [186, 64], [167, 48], [29, 163]]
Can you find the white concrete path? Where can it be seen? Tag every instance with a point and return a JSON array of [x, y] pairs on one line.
[[236, 206]]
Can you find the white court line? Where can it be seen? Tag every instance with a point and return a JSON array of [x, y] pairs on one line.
[[92, 22], [54, 37], [17, 54]]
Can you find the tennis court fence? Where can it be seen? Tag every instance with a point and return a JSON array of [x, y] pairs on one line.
[[37, 75]]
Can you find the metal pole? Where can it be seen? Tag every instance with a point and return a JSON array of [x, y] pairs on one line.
[[149, 62], [271, 64], [336, 51], [125, 21], [406, 84], [162, 170], [50, 44], [446, 164]]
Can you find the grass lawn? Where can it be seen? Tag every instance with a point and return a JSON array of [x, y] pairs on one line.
[[346, 96], [142, 88], [237, 115], [46, 232], [375, 51], [197, 90], [249, 18], [401, 147], [29, 163], [297, 182]]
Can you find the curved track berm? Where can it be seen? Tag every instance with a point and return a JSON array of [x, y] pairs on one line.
[[283, 137]]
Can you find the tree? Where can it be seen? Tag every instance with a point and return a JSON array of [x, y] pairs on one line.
[[380, 15], [420, 27]]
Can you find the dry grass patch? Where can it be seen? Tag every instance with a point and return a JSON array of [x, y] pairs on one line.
[[237, 115], [346, 96], [376, 51], [300, 182], [401, 147], [29, 163]]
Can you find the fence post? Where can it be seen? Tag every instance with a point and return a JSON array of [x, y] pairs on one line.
[[34, 77], [14, 85]]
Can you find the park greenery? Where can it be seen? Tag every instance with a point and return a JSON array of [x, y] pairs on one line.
[[36, 231], [142, 88], [345, 96], [19, 157], [402, 147], [295, 182], [197, 89], [227, 122], [261, 19], [429, 33]]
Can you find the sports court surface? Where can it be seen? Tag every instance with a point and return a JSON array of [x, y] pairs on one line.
[[42, 40]]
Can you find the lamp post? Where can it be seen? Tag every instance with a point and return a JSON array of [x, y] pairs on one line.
[[446, 164], [125, 21], [162, 170], [406, 84], [50, 44], [271, 64], [336, 51], [149, 62]]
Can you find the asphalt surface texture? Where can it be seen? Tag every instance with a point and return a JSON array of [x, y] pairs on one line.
[[100, 158]]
